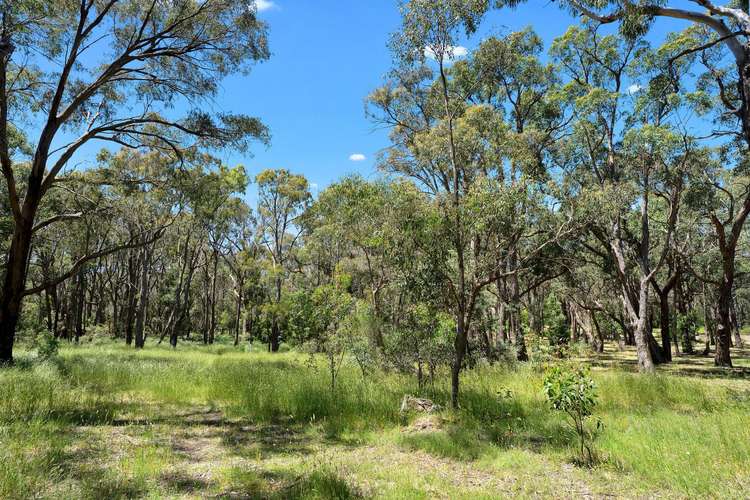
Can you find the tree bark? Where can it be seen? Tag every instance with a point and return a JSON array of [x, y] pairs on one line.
[[140, 338], [459, 343], [14, 283], [723, 327], [642, 332], [664, 324], [736, 328]]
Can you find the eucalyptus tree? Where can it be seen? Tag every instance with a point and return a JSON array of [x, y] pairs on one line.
[[109, 71], [215, 207], [506, 75], [373, 231], [241, 256], [144, 189], [282, 199], [420, 105], [344, 223], [627, 153], [726, 29], [450, 135]]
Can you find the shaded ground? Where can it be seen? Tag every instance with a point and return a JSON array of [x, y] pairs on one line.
[[688, 365], [204, 455], [163, 441]]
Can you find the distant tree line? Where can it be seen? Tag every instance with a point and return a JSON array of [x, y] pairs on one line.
[[531, 199]]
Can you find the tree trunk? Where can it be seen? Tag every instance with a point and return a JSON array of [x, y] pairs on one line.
[[459, 344], [140, 324], [56, 305], [15, 281], [707, 322], [736, 327], [599, 337], [48, 310], [502, 333], [212, 331], [132, 298], [664, 323], [275, 340], [680, 305], [642, 331], [573, 323], [238, 317], [723, 327]]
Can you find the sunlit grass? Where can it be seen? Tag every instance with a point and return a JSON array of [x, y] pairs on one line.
[[668, 433]]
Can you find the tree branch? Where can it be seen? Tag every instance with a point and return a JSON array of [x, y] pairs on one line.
[[133, 243]]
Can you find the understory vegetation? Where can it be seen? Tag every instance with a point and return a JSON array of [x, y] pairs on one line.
[[212, 421]]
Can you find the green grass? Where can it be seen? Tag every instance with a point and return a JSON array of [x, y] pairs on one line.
[[217, 421]]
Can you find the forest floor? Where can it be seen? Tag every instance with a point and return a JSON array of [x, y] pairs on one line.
[[102, 421]]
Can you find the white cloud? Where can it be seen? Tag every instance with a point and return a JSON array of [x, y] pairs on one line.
[[634, 88], [357, 157], [454, 53], [263, 5]]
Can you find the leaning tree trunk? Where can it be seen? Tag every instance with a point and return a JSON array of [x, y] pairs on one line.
[[599, 345]]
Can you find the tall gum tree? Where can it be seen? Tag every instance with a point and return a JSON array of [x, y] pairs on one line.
[[506, 75], [729, 28], [282, 199], [455, 145], [110, 70], [423, 117], [626, 159]]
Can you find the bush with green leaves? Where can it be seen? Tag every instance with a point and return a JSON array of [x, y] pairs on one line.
[[330, 326], [364, 327], [686, 329], [570, 389], [46, 345], [421, 343], [541, 351]]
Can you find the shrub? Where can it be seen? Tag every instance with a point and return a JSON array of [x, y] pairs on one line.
[[570, 389], [47, 345]]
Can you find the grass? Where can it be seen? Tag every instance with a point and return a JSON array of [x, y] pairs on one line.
[[105, 421]]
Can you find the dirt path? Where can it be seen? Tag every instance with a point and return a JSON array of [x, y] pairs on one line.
[[202, 454]]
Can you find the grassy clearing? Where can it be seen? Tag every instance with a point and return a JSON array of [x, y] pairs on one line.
[[222, 422]]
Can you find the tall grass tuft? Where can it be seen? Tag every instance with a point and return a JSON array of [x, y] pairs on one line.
[[678, 434]]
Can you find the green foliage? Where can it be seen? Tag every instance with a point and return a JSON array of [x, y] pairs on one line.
[[47, 345], [572, 390], [323, 483], [422, 342]]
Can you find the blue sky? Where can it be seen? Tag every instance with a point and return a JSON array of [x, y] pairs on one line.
[[327, 55]]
